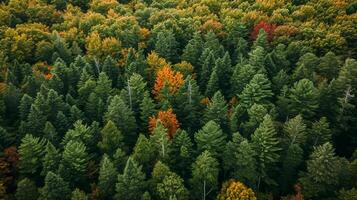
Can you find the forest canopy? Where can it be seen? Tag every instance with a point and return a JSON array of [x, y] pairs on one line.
[[178, 99]]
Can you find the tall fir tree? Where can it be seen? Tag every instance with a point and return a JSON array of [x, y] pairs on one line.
[[26, 190], [55, 188], [217, 111], [107, 178], [166, 45], [193, 50], [112, 139], [51, 159]]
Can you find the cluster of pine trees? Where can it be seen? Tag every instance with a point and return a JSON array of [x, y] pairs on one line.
[[178, 100]]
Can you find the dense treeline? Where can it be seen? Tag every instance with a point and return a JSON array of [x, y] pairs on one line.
[[178, 99]]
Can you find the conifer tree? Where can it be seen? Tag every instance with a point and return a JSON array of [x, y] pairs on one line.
[[295, 130], [223, 68], [256, 115], [50, 133], [160, 140], [103, 87], [78, 195], [130, 184], [212, 42], [292, 159], [144, 152], [112, 138], [217, 111], [320, 132], [242, 74], [36, 120], [211, 138], [166, 45], [306, 67], [266, 146], [213, 84], [80, 133], [31, 151], [172, 187], [257, 91], [25, 106], [147, 110], [110, 68], [51, 159], [303, 99], [74, 162], [107, 178], [257, 59], [204, 175], [262, 40], [208, 66], [26, 190], [55, 188], [119, 113], [193, 50]]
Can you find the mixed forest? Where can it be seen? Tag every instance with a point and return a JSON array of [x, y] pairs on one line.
[[178, 99]]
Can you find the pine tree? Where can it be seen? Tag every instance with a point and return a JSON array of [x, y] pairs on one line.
[[256, 115], [207, 69], [303, 99], [74, 162], [307, 65], [212, 42], [131, 183], [320, 132], [119, 159], [26, 190], [103, 87], [61, 124], [78, 195], [323, 171], [223, 68], [160, 140], [257, 91], [25, 106], [217, 111], [55, 188], [266, 146], [239, 160], [166, 45], [292, 159], [112, 139], [50, 133], [257, 59], [172, 187], [213, 84], [51, 159], [80, 133], [36, 120], [262, 40], [211, 138], [76, 114], [107, 178], [193, 50], [181, 153], [204, 175], [31, 151], [147, 110], [242, 74], [123, 117], [144, 152], [110, 68], [295, 130]]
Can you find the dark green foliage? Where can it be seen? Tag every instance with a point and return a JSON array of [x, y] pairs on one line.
[[130, 184], [193, 50], [26, 190], [51, 159], [78, 195], [31, 151], [55, 188], [217, 111], [112, 139], [166, 45], [107, 178]]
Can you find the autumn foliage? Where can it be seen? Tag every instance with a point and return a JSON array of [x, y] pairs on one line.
[[166, 75], [168, 120], [235, 190], [268, 28]]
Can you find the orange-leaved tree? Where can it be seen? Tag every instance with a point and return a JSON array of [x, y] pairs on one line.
[[235, 190], [167, 77], [168, 120]]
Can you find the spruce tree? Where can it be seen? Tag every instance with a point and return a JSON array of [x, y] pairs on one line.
[[217, 111], [204, 175], [223, 68], [257, 59], [74, 162], [112, 139], [25, 106], [207, 69], [257, 91], [144, 152], [213, 84], [256, 115], [193, 50], [130, 184], [50, 133], [266, 145], [103, 87], [26, 190], [166, 45], [147, 110], [262, 40], [110, 68], [320, 132], [242, 74], [55, 188], [107, 178], [172, 187], [123, 117], [78, 195], [306, 67], [51, 159], [31, 151], [295, 130], [160, 140], [303, 99], [211, 138]]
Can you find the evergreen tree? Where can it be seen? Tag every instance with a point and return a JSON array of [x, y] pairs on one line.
[[119, 159], [303, 99], [107, 178], [217, 111], [262, 40], [110, 68], [36, 120], [307, 65], [147, 110], [239, 160], [166, 45], [242, 74], [123, 117], [25, 106], [131, 183], [51, 159], [212, 42], [26, 190], [213, 84], [257, 91], [55, 188], [266, 146], [78, 195], [80, 133], [50, 133], [103, 87], [320, 132], [112, 139], [211, 138], [204, 175], [193, 50], [144, 152], [31, 151], [257, 59], [223, 68], [61, 124], [181, 153], [295, 130], [172, 187], [208, 66], [160, 140], [256, 115], [323, 171], [74, 162]]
